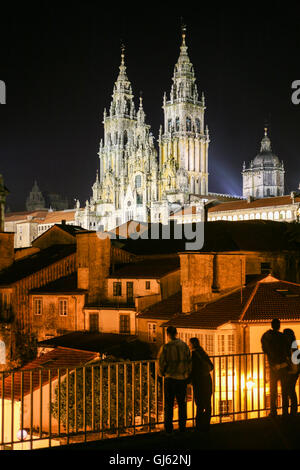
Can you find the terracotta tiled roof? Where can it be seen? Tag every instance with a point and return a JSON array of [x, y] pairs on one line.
[[148, 269], [23, 216], [40, 367], [257, 203], [274, 299], [34, 263], [261, 301], [164, 309], [56, 217]]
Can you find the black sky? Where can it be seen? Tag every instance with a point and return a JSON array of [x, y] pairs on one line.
[[60, 61]]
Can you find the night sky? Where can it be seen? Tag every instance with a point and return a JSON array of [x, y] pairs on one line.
[[60, 61]]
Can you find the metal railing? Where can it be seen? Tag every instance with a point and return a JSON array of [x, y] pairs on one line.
[[48, 406]]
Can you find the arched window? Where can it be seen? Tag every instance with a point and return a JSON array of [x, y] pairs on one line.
[[252, 216], [264, 216], [177, 124], [246, 217], [276, 215], [198, 126], [125, 137], [235, 217], [257, 216], [270, 215], [188, 124], [288, 214], [169, 125], [282, 215], [138, 181]]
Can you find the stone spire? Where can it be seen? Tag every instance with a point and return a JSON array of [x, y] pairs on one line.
[[184, 86], [122, 99]]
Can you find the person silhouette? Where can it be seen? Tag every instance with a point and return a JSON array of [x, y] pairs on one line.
[[175, 364], [293, 371], [202, 384], [275, 346]]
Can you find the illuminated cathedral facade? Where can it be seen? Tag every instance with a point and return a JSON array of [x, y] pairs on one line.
[[137, 181]]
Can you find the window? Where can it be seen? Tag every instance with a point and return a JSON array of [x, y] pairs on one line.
[[138, 181], [177, 124], [124, 324], [148, 285], [63, 307], [2, 353], [209, 344], [265, 268], [139, 199], [94, 322], [37, 306], [221, 344], [231, 344], [198, 126], [188, 124], [129, 288], [225, 407], [169, 125], [117, 289], [152, 330]]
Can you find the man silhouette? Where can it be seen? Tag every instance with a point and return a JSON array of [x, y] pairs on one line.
[[175, 364], [275, 346]]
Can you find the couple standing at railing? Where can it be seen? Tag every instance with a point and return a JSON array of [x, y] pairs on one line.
[[180, 364], [282, 353]]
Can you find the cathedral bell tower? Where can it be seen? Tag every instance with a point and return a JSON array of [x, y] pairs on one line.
[[185, 140], [119, 125]]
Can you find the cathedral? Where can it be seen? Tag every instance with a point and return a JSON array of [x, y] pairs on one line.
[[137, 181]]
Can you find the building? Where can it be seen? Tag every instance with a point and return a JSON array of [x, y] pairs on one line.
[[235, 322], [38, 200], [27, 226], [279, 208], [265, 175], [133, 181]]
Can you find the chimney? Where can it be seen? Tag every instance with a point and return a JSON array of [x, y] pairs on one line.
[[205, 276], [7, 252], [93, 264]]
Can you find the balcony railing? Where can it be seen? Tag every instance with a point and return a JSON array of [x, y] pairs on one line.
[[48, 406]]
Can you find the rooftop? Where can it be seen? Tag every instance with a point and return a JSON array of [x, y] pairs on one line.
[[164, 309], [257, 203], [148, 269], [122, 346], [34, 263], [260, 301], [65, 285]]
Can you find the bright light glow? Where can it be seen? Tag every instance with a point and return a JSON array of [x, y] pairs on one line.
[[21, 435], [250, 384]]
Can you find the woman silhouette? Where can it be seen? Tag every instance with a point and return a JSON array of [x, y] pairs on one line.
[[202, 384]]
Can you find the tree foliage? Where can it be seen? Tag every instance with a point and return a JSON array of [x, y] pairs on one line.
[[103, 396]]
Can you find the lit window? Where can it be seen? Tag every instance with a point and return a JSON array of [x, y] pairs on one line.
[[264, 216], [37, 306], [288, 214], [225, 407], [270, 215], [231, 344], [63, 307], [152, 330], [257, 216], [235, 217], [221, 344]]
